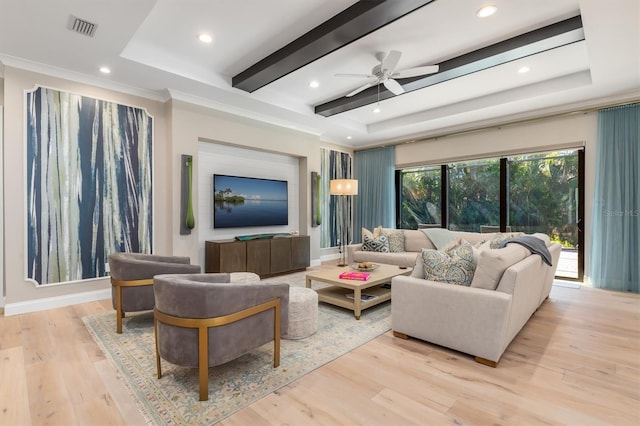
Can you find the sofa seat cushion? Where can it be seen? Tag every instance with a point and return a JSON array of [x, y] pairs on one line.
[[493, 262], [400, 259], [455, 266]]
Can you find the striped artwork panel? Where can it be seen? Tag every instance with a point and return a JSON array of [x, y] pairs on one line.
[[89, 184]]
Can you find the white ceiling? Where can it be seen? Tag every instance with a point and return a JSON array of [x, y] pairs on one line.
[[152, 50]]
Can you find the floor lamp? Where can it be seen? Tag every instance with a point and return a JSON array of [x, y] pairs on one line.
[[343, 188]]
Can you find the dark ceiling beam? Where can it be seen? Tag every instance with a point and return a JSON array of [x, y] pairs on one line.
[[355, 22], [550, 37]]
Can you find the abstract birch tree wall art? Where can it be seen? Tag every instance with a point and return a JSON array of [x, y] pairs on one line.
[[89, 184]]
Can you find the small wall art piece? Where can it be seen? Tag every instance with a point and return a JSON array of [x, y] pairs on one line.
[[316, 207], [89, 184], [187, 219]]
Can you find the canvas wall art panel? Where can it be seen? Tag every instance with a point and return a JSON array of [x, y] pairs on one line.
[[89, 184]]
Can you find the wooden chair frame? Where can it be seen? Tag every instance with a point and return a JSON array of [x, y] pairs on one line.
[[118, 285], [203, 325]]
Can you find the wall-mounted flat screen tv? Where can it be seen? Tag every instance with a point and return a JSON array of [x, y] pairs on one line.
[[245, 201]]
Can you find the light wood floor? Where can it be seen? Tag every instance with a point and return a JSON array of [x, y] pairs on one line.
[[576, 362]]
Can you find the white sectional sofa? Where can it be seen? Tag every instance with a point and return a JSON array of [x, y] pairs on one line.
[[477, 321]]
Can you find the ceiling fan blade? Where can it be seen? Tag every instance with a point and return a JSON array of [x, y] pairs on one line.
[[393, 86], [360, 89], [414, 72], [354, 75], [390, 61]]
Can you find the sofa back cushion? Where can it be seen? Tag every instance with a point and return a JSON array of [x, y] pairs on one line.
[[493, 262], [474, 237], [415, 240]]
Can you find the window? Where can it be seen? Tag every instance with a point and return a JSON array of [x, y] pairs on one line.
[[474, 195], [530, 193], [420, 197]]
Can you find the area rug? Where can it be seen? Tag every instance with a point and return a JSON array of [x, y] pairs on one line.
[[173, 399]]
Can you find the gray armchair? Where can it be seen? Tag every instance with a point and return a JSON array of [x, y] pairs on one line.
[[202, 320], [132, 279]]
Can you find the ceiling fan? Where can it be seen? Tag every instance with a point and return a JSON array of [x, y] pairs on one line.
[[385, 73]]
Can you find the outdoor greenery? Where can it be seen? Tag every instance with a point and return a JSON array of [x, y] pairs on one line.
[[474, 195], [542, 195], [420, 197]]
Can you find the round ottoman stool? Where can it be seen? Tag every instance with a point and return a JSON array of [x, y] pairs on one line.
[[303, 313], [243, 277]]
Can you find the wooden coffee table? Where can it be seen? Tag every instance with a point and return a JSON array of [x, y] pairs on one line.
[[336, 294]]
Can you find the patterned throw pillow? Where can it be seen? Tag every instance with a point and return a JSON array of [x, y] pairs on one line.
[[396, 240], [453, 267], [502, 237], [380, 244]]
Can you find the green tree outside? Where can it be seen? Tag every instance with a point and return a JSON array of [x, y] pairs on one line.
[[542, 195]]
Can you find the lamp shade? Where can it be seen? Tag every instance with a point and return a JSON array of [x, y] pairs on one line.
[[343, 187]]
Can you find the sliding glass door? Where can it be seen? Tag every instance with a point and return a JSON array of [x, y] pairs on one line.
[[474, 195], [540, 192], [544, 197]]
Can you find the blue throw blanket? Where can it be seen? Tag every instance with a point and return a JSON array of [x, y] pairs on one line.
[[535, 246]]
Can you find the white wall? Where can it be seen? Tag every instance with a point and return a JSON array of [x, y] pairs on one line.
[[235, 161], [21, 294], [180, 128], [193, 124]]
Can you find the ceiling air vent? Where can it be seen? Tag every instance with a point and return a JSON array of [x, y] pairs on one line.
[[82, 26]]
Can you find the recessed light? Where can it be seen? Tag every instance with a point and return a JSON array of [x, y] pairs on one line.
[[314, 83], [523, 70], [486, 11], [205, 38], [349, 137], [375, 110], [105, 70]]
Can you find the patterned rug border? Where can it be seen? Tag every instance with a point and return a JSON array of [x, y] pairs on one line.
[[173, 400]]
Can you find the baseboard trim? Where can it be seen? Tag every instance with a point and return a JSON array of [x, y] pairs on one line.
[[55, 302], [316, 262], [329, 257], [567, 284]]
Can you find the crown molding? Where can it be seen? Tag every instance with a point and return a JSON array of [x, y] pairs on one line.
[[78, 77], [242, 112]]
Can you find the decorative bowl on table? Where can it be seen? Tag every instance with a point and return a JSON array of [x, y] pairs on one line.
[[364, 266]]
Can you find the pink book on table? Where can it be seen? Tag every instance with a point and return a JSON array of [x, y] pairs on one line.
[[355, 275]]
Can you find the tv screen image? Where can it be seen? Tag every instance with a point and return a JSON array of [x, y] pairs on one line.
[[246, 201]]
